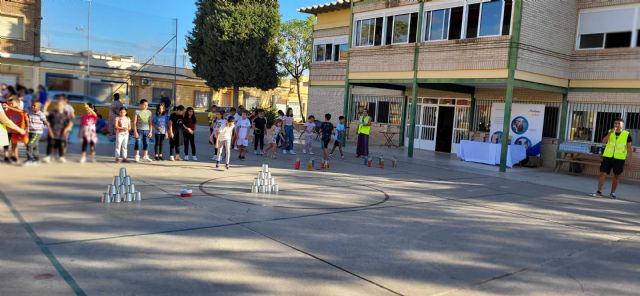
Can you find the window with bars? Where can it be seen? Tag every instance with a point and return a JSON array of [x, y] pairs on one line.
[[381, 109], [590, 122], [482, 117]]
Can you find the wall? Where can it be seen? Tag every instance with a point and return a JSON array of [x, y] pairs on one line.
[[30, 10], [476, 53]]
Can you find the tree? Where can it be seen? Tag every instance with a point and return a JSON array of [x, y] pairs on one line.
[[296, 40], [233, 44]]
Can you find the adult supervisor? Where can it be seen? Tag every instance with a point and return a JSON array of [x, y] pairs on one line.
[[617, 150], [364, 130]]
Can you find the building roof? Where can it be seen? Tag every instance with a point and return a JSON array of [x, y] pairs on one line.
[[326, 7]]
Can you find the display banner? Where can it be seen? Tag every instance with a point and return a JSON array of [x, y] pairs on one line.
[[526, 125]]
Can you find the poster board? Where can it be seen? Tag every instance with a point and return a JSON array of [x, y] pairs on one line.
[[525, 126]]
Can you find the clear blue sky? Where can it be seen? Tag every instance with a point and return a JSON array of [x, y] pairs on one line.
[[130, 27]]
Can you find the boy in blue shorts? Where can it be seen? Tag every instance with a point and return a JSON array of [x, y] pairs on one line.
[[339, 138]]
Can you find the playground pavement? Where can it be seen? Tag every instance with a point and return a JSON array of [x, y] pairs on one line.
[[431, 226]]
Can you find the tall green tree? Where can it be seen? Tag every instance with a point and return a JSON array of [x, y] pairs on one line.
[[296, 40], [233, 44]]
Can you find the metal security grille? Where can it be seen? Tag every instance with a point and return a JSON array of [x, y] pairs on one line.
[[382, 109], [482, 116], [461, 124], [588, 122]]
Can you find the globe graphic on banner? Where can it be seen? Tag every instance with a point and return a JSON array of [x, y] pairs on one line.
[[519, 125]]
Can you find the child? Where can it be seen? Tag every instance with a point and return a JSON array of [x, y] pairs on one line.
[[259, 130], [275, 132], [159, 127], [37, 122], [327, 129], [15, 114], [88, 132], [309, 128], [101, 125], [339, 138], [287, 122], [142, 130], [190, 123], [176, 133], [122, 126], [60, 124], [5, 123], [242, 133], [224, 141], [217, 125], [280, 116]]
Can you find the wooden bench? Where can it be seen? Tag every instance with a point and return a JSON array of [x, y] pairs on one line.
[[570, 158]]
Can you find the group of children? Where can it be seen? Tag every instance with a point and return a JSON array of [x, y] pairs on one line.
[[234, 130]]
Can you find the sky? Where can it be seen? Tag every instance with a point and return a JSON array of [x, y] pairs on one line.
[[130, 27]]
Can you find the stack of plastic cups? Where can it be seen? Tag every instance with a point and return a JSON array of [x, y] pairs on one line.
[[121, 190]]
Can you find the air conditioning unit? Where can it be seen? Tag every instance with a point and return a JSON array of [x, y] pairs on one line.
[[146, 81]]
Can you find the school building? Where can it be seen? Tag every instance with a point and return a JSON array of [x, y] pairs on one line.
[[452, 59]]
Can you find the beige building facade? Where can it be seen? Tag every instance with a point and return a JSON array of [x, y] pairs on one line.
[[579, 58]]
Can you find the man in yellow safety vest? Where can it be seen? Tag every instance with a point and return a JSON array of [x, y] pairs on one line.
[[617, 154]]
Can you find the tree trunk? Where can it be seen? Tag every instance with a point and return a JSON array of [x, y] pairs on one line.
[[236, 96], [300, 99]]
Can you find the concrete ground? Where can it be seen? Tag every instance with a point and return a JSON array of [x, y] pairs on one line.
[[431, 226]]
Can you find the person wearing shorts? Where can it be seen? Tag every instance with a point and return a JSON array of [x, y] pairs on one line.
[[617, 154], [327, 130]]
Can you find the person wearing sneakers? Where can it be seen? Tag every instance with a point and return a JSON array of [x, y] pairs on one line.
[[88, 132], [616, 152], [143, 130], [122, 126], [190, 124], [60, 125], [259, 131], [223, 141], [288, 131], [309, 130], [176, 133], [242, 134]]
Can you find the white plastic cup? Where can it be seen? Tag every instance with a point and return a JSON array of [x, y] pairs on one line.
[[129, 197], [117, 181], [122, 189], [106, 198], [276, 188], [123, 172], [138, 195], [116, 197], [132, 188], [127, 180]]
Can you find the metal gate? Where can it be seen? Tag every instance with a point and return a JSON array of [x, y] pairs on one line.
[[426, 125]]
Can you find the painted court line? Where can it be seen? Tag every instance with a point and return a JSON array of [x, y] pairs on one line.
[[43, 247]]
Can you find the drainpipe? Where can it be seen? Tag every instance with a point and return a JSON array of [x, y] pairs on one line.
[[414, 87], [514, 45]]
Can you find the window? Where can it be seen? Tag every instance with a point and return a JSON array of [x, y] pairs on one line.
[[59, 83], [381, 109], [581, 126], [490, 18], [616, 40], [134, 93], [473, 15], [12, 27], [100, 91], [201, 99], [401, 25], [320, 52], [604, 122], [506, 19], [438, 25], [369, 32], [609, 28], [157, 91], [336, 52], [344, 48], [632, 124], [328, 56], [455, 23]]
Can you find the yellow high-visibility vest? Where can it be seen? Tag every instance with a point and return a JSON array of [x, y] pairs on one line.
[[362, 128], [617, 146]]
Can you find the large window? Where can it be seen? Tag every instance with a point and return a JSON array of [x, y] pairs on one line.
[[401, 25], [369, 31], [156, 93], [438, 24], [330, 52], [11, 27], [381, 109], [608, 28], [491, 18], [59, 83]]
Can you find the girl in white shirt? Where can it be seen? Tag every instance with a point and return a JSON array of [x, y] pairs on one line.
[[224, 141], [242, 133]]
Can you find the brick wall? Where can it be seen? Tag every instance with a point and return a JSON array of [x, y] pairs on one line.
[[324, 100], [365, 6], [30, 10], [382, 58], [610, 98], [328, 71], [613, 63], [477, 53], [602, 3], [519, 94]]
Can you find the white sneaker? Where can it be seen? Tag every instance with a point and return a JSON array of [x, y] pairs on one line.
[[83, 159], [171, 158], [186, 157], [304, 151], [62, 160], [194, 158], [292, 152], [137, 158], [46, 159], [284, 151], [213, 158], [146, 158], [311, 153]]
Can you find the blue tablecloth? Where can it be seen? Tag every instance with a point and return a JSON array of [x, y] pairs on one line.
[[489, 153]]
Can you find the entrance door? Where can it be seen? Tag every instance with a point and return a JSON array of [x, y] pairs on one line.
[[444, 132], [426, 119]]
